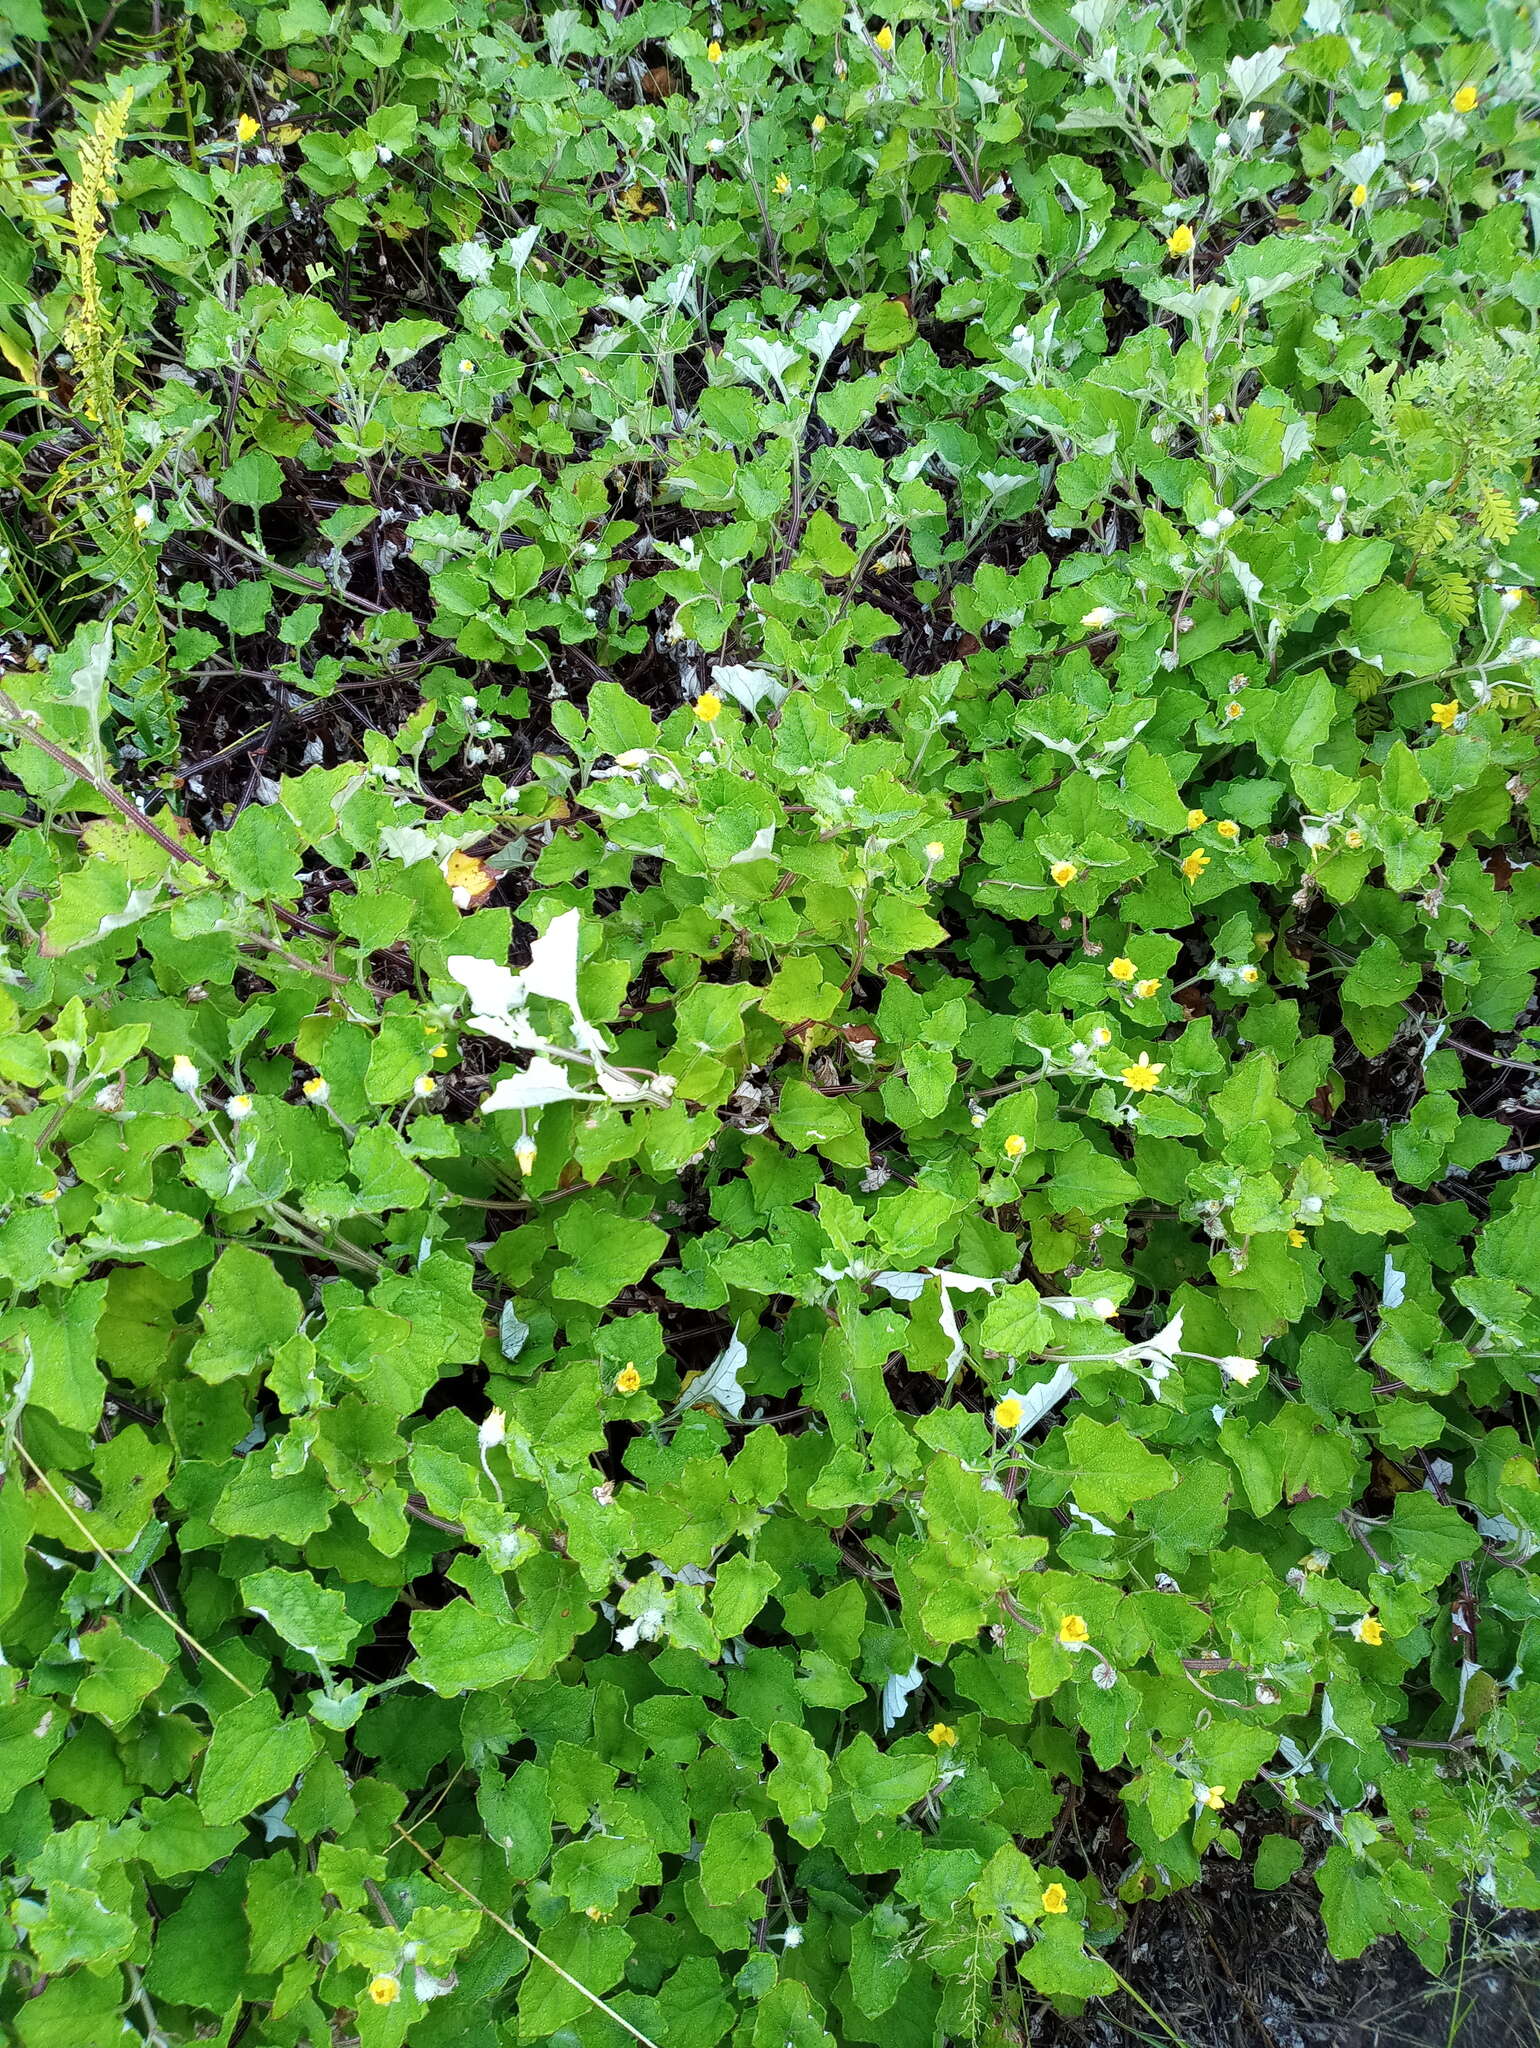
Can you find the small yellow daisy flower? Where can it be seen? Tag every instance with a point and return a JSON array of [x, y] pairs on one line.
[[1214, 1798], [782, 184], [1181, 240], [1370, 1630], [1195, 819], [884, 38], [942, 1736], [713, 51], [1055, 1899], [1008, 1413], [1444, 715], [1195, 863], [1393, 100], [627, 1380], [1064, 872], [1296, 1238], [1122, 969], [1228, 829], [1466, 100], [247, 130], [1148, 987], [708, 707], [1014, 1145], [1251, 976], [1359, 196], [1073, 1631], [1234, 710], [1144, 1074], [819, 123], [384, 1989]]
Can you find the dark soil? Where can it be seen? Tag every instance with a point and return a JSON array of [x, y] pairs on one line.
[[1223, 1966]]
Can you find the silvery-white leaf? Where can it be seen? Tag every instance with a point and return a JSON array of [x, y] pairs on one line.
[[1249, 581], [895, 1696], [905, 1286], [760, 847], [833, 324], [516, 250], [1393, 1284], [541, 1082], [553, 961], [1253, 76], [512, 1334], [718, 1384], [756, 353], [749, 687], [493, 988]]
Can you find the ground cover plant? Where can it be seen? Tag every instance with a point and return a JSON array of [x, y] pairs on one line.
[[768, 1032]]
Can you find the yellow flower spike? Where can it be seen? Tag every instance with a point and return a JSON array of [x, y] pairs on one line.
[[1359, 196], [1008, 1413], [1466, 100], [1055, 1899], [820, 122], [1195, 863], [1195, 819], [1228, 829], [1014, 1145], [628, 1380], [1181, 241], [1370, 1630], [1296, 1238], [1144, 1074], [713, 52], [884, 39], [708, 707], [1073, 1633], [247, 130], [1064, 872], [1148, 987], [1444, 715], [384, 1989], [1214, 1798], [1122, 969], [942, 1736]]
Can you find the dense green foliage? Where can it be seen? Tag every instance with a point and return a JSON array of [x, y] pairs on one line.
[[769, 901]]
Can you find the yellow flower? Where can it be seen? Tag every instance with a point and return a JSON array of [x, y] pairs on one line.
[[384, 1989], [1143, 1074], [884, 38], [1122, 969], [942, 1736], [1370, 1630], [935, 850], [1100, 1035], [1064, 872], [713, 52], [1444, 715], [526, 1153], [1015, 1145], [47, 1196], [1055, 1899], [1008, 1413], [1194, 864], [1148, 987], [315, 1089], [1233, 710], [239, 1106], [1393, 100], [1180, 241], [627, 1380], [708, 707], [438, 1052], [1195, 819], [1296, 1238], [1466, 100], [1251, 976], [1073, 1631], [246, 130], [1359, 196], [1214, 1798], [1353, 838], [820, 122], [1228, 829], [782, 184]]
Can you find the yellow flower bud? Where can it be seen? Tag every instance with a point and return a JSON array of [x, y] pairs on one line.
[[1181, 240]]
